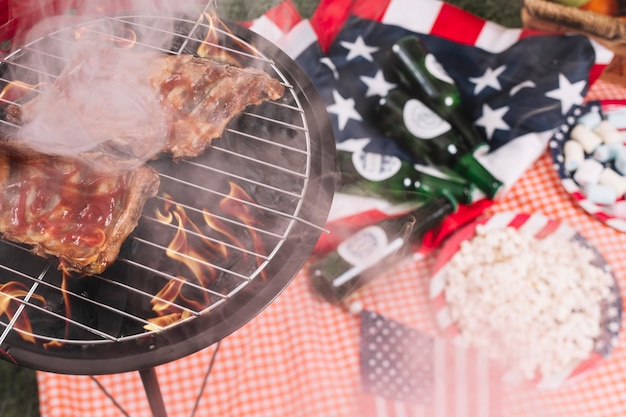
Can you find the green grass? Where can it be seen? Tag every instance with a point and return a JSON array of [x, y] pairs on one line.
[[505, 12], [18, 391], [18, 385]]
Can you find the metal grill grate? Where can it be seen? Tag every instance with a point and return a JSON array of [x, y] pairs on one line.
[[268, 152]]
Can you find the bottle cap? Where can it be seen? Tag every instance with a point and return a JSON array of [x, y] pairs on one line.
[[476, 173]]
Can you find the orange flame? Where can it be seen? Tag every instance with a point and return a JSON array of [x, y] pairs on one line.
[[238, 205], [161, 322], [180, 249], [241, 207], [209, 47], [9, 292], [163, 305], [53, 344], [66, 298], [127, 40], [16, 89], [193, 258], [220, 227]]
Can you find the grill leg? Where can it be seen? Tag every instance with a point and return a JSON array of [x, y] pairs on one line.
[[153, 392]]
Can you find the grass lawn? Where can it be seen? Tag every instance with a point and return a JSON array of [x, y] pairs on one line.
[[18, 388], [507, 13]]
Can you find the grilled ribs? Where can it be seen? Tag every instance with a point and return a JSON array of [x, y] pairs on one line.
[[62, 208], [202, 96], [196, 97]]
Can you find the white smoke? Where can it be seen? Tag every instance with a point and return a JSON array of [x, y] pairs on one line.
[[102, 104]]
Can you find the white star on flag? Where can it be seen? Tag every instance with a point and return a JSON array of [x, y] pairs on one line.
[[488, 79], [377, 85], [358, 48], [568, 94], [343, 109], [493, 119], [353, 144]]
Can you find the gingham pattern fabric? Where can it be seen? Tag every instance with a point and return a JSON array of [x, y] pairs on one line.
[[300, 357]]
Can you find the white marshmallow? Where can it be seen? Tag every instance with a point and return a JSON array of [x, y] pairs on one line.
[[614, 180], [589, 139], [588, 172], [606, 153], [591, 119], [600, 194], [617, 117], [620, 160], [608, 132], [573, 154]]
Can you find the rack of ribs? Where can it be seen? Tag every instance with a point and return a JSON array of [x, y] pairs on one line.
[[63, 207]]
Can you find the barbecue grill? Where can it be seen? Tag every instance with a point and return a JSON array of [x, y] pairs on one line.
[[268, 182]]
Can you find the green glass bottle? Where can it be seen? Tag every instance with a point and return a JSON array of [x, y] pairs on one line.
[[425, 78], [420, 131], [371, 251], [389, 177]]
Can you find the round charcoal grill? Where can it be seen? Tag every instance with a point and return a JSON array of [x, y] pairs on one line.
[[279, 154]]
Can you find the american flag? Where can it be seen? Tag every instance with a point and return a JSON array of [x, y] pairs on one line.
[[517, 86], [512, 84], [408, 373]]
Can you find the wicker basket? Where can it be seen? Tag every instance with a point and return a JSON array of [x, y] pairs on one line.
[[547, 15]]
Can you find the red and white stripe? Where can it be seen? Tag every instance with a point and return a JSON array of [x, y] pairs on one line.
[[465, 385], [441, 19]]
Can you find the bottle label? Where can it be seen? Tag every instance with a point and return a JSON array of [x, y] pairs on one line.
[[375, 167], [432, 171], [422, 121], [357, 269], [436, 69], [365, 248]]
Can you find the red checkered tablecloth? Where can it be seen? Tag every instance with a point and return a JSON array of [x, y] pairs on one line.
[[301, 356]]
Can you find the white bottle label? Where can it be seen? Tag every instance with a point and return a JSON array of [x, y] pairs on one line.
[[374, 166], [422, 121], [364, 248], [436, 69]]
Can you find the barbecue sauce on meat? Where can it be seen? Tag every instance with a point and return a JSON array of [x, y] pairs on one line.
[[67, 205], [63, 208], [70, 207]]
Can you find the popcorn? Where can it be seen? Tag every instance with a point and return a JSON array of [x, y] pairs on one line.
[[534, 304]]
